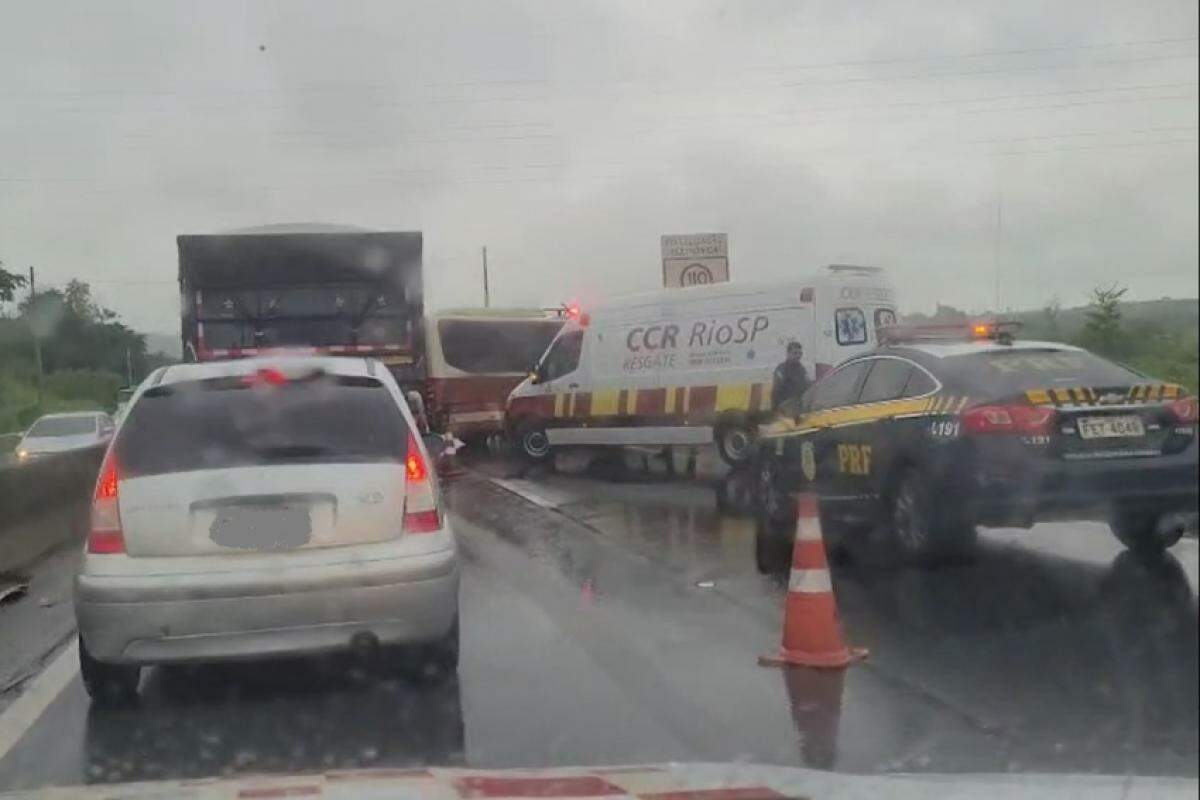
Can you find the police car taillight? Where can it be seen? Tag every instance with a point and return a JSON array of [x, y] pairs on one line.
[[1009, 419], [421, 512], [1185, 410]]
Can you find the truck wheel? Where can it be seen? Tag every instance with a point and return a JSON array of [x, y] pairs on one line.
[[1146, 531], [533, 443], [113, 684], [735, 444], [922, 531]]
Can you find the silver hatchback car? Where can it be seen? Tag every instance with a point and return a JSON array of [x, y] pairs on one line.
[[264, 507]]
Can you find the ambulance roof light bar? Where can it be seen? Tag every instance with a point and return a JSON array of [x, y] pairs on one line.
[[999, 332]]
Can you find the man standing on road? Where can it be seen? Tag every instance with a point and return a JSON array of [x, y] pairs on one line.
[[791, 380]]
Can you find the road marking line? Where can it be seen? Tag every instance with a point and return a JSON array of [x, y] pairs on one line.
[[18, 718], [524, 489]]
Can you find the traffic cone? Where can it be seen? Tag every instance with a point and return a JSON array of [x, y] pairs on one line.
[[812, 635]]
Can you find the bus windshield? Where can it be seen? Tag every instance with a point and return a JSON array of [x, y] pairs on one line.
[[495, 346]]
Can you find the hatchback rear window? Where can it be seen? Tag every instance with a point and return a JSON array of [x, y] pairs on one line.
[[231, 422], [63, 426], [1008, 371]]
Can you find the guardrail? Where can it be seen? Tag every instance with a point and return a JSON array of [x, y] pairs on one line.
[[48, 483]]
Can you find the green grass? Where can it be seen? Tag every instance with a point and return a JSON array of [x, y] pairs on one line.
[[69, 390]]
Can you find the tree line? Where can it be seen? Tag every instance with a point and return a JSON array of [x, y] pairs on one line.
[[87, 352], [1156, 337]]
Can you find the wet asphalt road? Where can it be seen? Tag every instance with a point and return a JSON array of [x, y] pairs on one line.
[[616, 618]]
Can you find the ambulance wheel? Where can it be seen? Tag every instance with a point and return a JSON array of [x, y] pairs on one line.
[[533, 443], [735, 444], [1147, 532], [923, 530]]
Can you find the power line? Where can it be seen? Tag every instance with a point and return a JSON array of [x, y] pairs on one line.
[[1000, 71], [987, 53], [1080, 103], [1164, 129]]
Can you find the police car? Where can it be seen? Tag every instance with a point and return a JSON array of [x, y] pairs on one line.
[[940, 429]]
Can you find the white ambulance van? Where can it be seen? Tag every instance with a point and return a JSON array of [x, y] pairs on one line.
[[691, 366]]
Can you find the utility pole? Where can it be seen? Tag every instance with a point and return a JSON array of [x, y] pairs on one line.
[[37, 346], [996, 252], [486, 297]]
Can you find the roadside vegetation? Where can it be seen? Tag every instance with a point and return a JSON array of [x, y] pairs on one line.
[[87, 352], [1157, 337]]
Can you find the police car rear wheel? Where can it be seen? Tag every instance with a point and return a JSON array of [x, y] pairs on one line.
[[923, 531], [1147, 531]]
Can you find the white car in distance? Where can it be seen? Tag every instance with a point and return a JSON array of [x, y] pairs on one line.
[[60, 433], [265, 507]]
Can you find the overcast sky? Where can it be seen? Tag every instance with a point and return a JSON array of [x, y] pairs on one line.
[[1056, 141]]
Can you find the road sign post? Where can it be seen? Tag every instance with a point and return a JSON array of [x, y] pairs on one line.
[[694, 259]]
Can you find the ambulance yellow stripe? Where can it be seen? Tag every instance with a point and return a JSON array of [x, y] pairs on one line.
[[1080, 396], [558, 404], [962, 405], [604, 402], [631, 401], [669, 402], [1062, 396], [1171, 391], [733, 396], [571, 405], [687, 396], [1157, 392]]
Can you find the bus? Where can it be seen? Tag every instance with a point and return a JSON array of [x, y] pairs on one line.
[[475, 357]]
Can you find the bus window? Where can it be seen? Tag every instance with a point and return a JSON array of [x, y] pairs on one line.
[[495, 346]]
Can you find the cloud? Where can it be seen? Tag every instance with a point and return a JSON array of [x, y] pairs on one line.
[[569, 136]]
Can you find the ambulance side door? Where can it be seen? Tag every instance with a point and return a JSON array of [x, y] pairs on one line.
[[560, 374]]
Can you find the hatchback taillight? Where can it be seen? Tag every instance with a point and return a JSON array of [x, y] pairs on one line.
[[105, 535], [1009, 419], [421, 511]]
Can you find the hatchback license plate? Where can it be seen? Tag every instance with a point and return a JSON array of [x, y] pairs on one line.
[[1110, 427], [262, 528]]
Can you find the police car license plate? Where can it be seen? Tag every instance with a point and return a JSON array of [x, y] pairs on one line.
[[1110, 427]]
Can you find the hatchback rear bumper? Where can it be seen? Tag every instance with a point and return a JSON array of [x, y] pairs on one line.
[[171, 618]]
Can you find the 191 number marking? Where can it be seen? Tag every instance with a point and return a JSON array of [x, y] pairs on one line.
[[946, 428]]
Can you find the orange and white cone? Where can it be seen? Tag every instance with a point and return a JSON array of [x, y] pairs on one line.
[[812, 635]]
